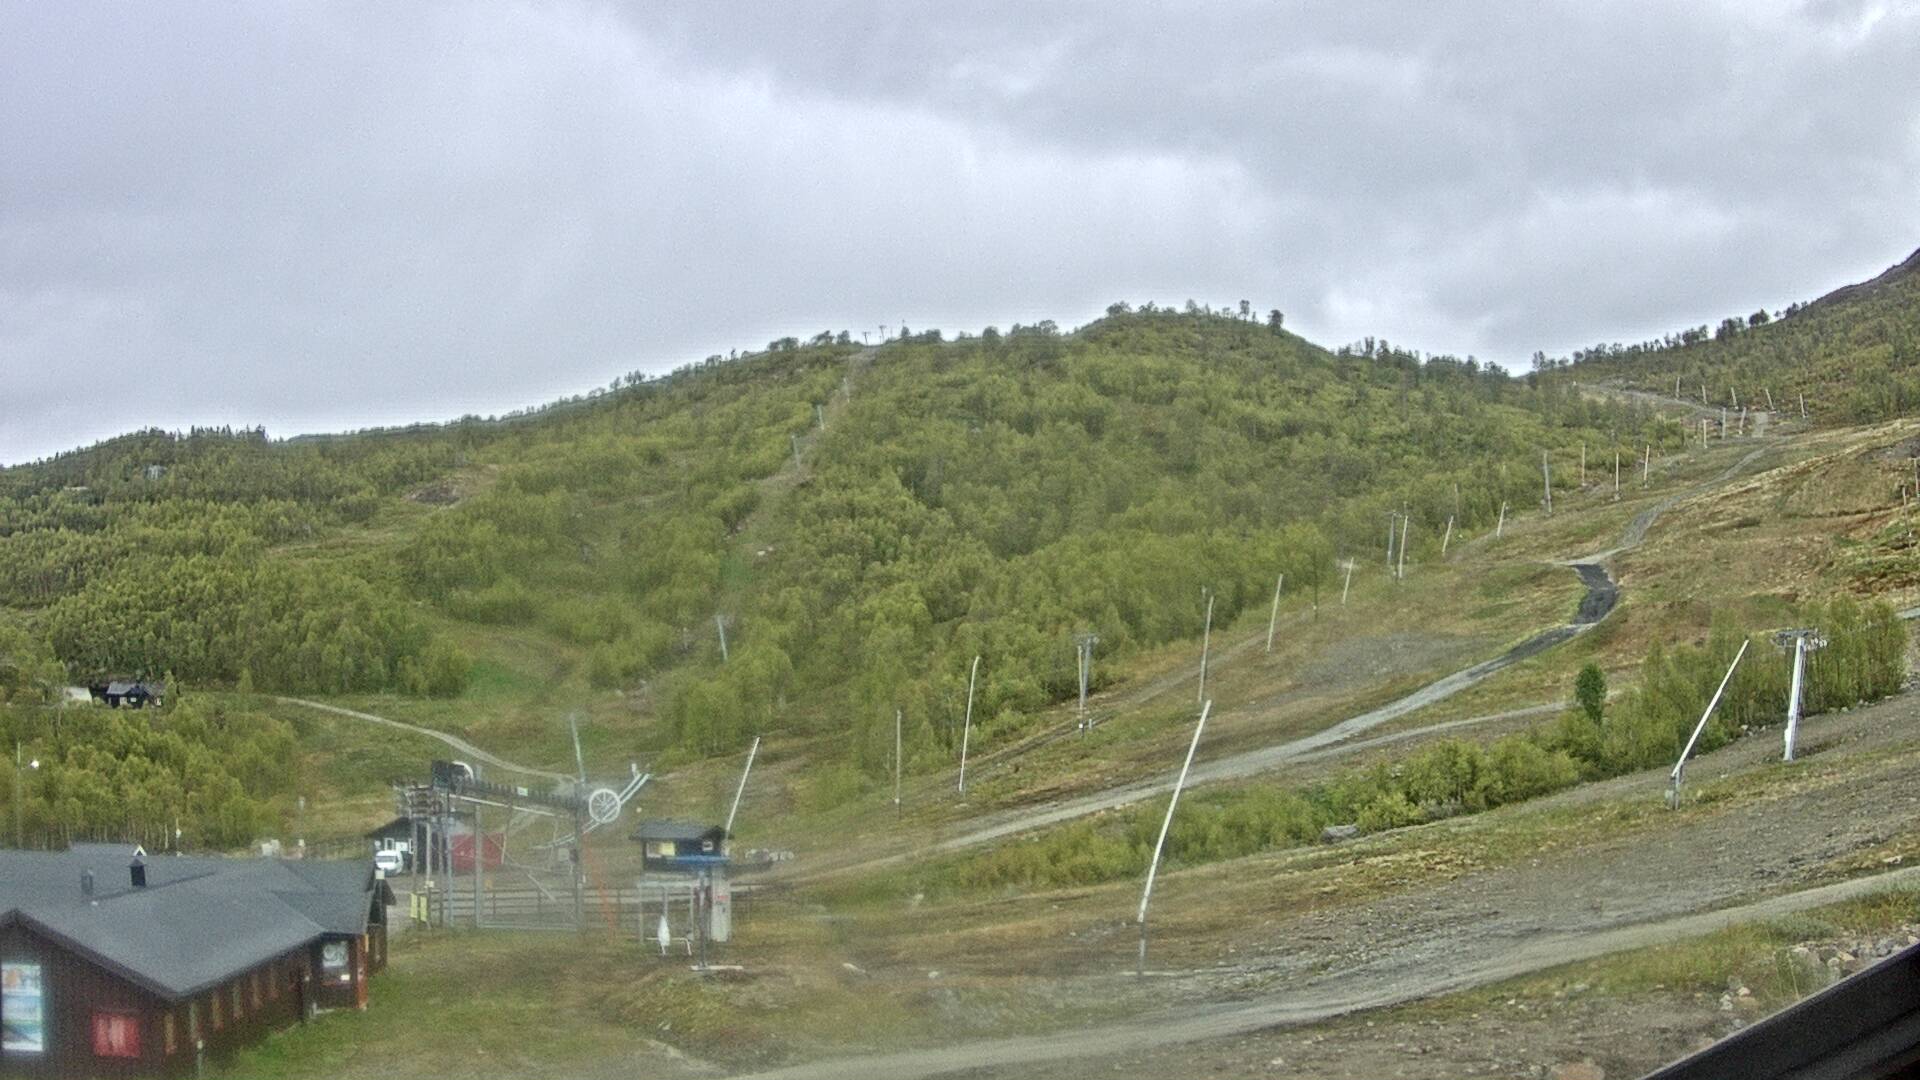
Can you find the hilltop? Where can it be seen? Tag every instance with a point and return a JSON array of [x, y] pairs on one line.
[[1852, 355]]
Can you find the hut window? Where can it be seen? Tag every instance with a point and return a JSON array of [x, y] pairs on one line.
[[116, 1035]]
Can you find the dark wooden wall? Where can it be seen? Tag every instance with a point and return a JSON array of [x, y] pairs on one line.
[[74, 988]]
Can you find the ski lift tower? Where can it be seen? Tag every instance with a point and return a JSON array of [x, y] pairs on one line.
[[1802, 641]]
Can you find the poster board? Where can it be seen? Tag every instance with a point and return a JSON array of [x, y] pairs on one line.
[[23, 1016]]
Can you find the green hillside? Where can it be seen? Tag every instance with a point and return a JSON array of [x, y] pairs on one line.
[[991, 495], [1854, 354]]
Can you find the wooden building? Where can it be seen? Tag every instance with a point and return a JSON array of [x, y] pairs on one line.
[[680, 847], [132, 693], [112, 964]]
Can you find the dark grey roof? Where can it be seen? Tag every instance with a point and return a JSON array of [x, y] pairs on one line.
[[199, 920], [336, 913], [672, 829]]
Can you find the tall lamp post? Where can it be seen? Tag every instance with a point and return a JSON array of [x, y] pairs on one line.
[[34, 764]]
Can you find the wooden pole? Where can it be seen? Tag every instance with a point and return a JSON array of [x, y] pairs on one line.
[[1646, 466], [1616, 476], [1546, 481]]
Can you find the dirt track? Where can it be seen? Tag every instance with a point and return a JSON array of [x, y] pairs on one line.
[[455, 741], [1666, 879]]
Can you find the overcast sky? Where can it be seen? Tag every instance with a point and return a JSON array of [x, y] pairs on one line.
[[318, 217]]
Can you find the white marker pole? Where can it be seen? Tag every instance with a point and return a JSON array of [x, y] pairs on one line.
[[1680, 767], [1646, 466], [1153, 868], [1447, 539], [966, 726], [1404, 518], [1206, 641], [1273, 618], [721, 626], [1793, 698], [1501, 525], [742, 789], [1347, 584], [1546, 481], [896, 761]]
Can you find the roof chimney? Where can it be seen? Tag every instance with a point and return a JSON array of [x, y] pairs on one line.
[[86, 882], [139, 869]]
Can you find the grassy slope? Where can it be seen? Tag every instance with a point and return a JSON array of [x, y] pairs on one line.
[[1853, 354]]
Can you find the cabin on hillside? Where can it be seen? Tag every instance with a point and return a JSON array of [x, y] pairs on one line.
[[680, 847], [132, 693], [113, 964]]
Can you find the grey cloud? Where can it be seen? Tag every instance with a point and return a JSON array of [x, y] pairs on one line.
[[317, 217]]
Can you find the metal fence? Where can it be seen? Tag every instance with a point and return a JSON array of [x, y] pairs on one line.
[[530, 906]]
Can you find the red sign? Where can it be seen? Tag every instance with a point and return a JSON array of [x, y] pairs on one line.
[[116, 1035]]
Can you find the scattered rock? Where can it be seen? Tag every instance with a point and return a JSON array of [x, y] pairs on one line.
[[853, 967], [1333, 834], [1577, 1070]]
